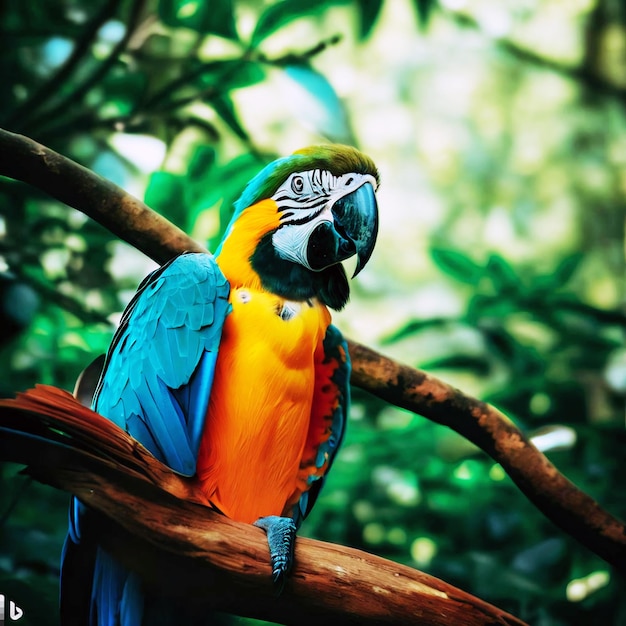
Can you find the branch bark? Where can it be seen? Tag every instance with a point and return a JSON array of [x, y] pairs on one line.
[[559, 499], [550, 491], [130, 219], [165, 531]]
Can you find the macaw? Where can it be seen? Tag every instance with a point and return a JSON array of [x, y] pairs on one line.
[[228, 367]]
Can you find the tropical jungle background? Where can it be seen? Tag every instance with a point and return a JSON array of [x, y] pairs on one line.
[[499, 128]]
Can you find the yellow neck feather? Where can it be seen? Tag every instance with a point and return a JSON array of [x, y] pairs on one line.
[[242, 240]]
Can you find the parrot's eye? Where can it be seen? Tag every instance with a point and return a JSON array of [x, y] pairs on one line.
[[297, 184]]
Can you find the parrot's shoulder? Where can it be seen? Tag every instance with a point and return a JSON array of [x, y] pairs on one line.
[[193, 279], [182, 294], [177, 312]]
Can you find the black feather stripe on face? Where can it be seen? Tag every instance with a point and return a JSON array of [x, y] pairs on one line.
[[294, 282]]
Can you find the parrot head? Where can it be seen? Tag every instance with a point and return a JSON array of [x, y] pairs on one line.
[[299, 219]]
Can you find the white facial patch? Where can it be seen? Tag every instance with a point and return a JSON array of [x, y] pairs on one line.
[[304, 201], [292, 241]]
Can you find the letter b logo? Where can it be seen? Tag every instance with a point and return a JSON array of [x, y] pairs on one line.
[[14, 611]]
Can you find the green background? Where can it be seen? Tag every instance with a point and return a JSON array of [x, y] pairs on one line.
[[500, 132]]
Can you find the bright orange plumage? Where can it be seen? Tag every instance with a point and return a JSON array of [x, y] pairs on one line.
[[260, 410], [259, 418]]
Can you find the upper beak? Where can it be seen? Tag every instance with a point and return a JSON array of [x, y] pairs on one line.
[[355, 218]]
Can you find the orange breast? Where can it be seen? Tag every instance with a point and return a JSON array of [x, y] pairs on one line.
[[260, 407]]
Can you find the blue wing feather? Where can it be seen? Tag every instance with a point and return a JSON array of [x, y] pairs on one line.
[[160, 367], [131, 609], [155, 384]]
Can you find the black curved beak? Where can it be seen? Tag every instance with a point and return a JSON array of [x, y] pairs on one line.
[[356, 220], [352, 231]]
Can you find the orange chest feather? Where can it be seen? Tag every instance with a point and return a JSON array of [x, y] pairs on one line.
[[261, 402]]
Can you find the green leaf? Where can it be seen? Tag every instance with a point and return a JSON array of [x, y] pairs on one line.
[[223, 185], [215, 16], [476, 364], [222, 75], [481, 307], [224, 107], [456, 264], [278, 15], [502, 274], [424, 9], [165, 194], [121, 93], [416, 326], [566, 268], [201, 162], [247, 73], [370, 10], [227, 74]]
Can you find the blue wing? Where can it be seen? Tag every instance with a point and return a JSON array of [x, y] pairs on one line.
[[155, 384], [335, 352], [159, 370]]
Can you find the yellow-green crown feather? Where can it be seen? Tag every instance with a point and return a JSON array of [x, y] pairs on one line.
[[338, 159]]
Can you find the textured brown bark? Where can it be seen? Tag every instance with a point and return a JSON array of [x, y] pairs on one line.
[[165, 532], [127, 217], [492, 431]]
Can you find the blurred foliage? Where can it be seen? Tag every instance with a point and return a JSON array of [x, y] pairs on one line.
[[500, 131]]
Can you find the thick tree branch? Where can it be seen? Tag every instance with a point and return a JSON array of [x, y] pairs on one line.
[[130, 219], [165, 532], [492, 431]]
